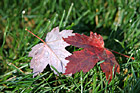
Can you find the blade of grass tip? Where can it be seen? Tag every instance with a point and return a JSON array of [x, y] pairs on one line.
[[87, 83], [11, 78], [86, 76], [68, 15], [106, 85], [113, 81], [23, 91], [54, 21], [4, 38], [75, 84], [122, 54], [100, 62], [10, 64], [40, 76], [121, 90], [84, 14], [81, 78], [77, 87], [60, 24], [110, 35], [137, 84], [42, 83], [97, 88], [101, 77], [94, 83], [129, 58], [133, 72], [39, 25], [13, 71], [121, 43], [57, 73], [46, 27], [55, 70], [100, 85], [21, 58]]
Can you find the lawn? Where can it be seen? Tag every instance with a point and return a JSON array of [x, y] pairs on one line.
[[117, 21]]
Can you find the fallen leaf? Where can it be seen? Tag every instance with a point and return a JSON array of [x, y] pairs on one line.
[[92, 53], [51, 52]]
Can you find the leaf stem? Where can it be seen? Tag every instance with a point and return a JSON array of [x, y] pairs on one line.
[[122, 54], [35, 35]]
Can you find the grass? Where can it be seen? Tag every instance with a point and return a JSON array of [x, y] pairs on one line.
[[118, 21]]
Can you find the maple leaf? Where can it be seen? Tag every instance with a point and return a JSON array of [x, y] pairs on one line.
[[92, 53], [51, 52]]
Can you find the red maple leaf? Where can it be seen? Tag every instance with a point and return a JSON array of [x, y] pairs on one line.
[[92, 53]]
